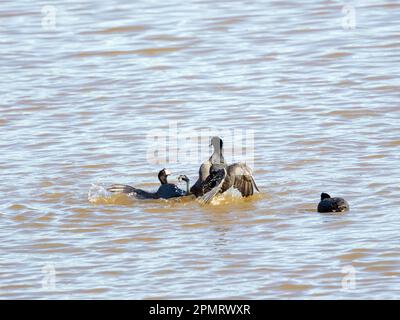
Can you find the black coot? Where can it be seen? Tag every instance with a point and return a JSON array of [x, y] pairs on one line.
[[328, 204], [165, 191]]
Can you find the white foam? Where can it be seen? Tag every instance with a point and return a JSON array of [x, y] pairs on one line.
[[97, 192]]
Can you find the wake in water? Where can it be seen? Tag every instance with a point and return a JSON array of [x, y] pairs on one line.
[[98, 194]]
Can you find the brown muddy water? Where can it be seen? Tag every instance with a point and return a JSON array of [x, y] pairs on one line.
[[84, 82]]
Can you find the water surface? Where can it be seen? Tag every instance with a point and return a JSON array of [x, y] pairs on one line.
[[79, 96]]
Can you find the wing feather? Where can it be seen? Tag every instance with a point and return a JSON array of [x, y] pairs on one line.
[[212, 186], [139, 193], [243, 180], [121, 188]]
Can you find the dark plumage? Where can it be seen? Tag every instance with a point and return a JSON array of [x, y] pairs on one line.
[[221, 177], [204, 171], [165, 191], [328, 204]]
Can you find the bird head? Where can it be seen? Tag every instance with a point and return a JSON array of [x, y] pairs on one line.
[[163, 174], [182, 177], [216, 142], [324, 196]]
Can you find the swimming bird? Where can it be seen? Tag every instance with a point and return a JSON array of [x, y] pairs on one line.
[[328, 204], [165, 191], [221, 176]]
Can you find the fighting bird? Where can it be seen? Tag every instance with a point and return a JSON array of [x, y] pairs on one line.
[[165, 191], [216, 176]]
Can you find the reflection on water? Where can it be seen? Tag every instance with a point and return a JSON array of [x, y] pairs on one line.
[[83, 82]]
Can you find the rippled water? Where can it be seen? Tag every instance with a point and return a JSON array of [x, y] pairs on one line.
[[81, 92]]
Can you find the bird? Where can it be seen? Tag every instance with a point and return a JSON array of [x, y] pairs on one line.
[[328, 204], [204, 171], [216, 176], [165, 191]]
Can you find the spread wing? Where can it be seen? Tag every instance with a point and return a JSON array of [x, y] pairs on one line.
[[123, 188], [241, 176], [213, 185]]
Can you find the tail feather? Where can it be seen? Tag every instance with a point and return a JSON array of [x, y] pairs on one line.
[[121, 188]]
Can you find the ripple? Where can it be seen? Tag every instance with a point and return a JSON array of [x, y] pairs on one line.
[[142, 52], [81, 102], [121, 29], [336, 55], [293, 287]]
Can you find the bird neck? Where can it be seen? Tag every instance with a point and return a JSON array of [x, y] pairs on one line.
[[187, 187], [217, 156]]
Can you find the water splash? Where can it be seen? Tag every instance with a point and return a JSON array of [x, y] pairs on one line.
[[98, 194]]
